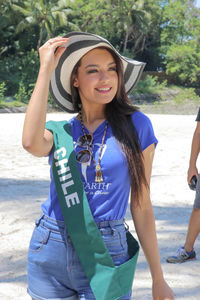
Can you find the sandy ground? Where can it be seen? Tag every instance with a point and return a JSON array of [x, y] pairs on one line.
[[24, 183]]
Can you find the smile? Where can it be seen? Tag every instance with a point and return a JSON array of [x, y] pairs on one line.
[[104, 89]]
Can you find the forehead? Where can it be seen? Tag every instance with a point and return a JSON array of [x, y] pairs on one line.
[[102, 54]]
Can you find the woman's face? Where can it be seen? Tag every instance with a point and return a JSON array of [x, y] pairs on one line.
[[97, 78]]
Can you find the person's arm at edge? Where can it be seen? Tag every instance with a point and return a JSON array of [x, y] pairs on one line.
[[144, 222], [35, 138], [195, 149]]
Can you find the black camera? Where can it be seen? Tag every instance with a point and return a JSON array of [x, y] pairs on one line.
[[193, 183]]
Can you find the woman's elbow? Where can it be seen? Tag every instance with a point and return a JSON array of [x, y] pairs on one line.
[[31, 147], [27, 144]]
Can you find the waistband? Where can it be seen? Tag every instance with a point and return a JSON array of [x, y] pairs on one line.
[[61, 224], [109, 223]]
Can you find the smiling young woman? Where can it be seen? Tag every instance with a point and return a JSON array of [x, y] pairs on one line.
[[80, 247], [96, 78]]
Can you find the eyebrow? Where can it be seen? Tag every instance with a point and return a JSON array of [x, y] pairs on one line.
[[94, 65]]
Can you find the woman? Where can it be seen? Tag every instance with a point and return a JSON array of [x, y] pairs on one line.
[[114, 145]]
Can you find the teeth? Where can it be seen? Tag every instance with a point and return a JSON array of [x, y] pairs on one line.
[[104, 89]]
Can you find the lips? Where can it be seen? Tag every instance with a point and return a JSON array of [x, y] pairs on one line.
[[104, 90]]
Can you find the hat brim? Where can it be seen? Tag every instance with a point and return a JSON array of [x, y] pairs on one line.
[[78, 45]]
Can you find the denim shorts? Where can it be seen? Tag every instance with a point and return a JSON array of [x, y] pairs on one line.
[[54, 269]]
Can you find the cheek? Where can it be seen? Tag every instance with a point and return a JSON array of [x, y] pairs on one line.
[[85, 79], [86, 84], [116, 80], [86, 87]]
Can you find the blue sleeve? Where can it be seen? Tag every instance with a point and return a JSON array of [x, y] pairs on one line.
[[144, 129]]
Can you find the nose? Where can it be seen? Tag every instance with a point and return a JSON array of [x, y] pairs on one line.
[[103, 76]]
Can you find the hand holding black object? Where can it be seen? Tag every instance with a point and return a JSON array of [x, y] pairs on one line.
[[193, 183]]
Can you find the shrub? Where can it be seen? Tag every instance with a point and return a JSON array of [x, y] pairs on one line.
[[186, 94], [29, 68], [15, 69], [149, 85], [183, 62], [2, 92], [21, 95]]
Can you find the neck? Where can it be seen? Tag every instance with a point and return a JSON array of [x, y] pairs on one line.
[[90, 116]]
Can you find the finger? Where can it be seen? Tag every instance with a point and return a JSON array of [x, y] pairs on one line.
[[189, 178], [56, 40], [59, 52], [58, 44]]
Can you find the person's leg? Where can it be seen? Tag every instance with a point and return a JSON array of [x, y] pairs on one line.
[[187, 252], [194, 223], [193, 230], [48, 276]]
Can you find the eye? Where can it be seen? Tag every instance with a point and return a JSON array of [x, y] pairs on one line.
[[113, 69], [92, 71]]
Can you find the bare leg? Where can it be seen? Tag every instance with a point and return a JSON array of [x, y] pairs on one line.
[[193, 230]]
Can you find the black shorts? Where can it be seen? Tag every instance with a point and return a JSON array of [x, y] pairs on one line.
[[196, 204]]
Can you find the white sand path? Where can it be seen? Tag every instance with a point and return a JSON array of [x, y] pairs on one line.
[[24, 181]]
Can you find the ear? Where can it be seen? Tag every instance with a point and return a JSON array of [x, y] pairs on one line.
[[75, 83]]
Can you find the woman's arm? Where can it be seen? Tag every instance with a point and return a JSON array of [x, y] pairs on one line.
[[35, 139], [144, 221]]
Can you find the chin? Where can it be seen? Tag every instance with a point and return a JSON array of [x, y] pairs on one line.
[[106, 100]]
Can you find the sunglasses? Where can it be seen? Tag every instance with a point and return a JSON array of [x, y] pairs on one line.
[[85, 141]]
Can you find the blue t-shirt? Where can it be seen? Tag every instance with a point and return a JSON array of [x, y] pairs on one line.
[[108, 200]]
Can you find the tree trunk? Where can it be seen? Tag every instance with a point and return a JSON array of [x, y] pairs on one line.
[[125, 42], [41, 35]]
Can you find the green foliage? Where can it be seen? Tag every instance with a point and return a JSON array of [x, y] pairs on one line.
[[186, 94], [180, 22], [15, 69], [17, 17], [126, 24], [22, 95], [10, 74], [163, 33], [183, 62], [2, 92], [29, 67], [149, 85], [175, 22]]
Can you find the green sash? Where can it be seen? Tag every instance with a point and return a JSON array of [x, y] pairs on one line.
[[107, 281]]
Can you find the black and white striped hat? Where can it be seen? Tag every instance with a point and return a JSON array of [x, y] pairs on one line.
[[78, 45]]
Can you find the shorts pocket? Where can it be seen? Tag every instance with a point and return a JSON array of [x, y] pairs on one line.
[[116, 242], [39, 238]]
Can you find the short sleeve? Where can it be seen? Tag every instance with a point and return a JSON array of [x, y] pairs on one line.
[[198, 116], [144, 129]]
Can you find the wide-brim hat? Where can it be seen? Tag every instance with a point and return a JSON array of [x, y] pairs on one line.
[[78, 45]]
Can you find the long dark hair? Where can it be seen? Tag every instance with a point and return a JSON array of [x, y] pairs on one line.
[[118, 113]]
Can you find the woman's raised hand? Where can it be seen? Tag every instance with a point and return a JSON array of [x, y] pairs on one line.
[[51, 52], [36, 139]]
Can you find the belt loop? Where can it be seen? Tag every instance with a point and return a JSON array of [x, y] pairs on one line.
[[37, 221], [112, 228], [46, 237]]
